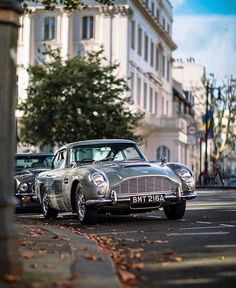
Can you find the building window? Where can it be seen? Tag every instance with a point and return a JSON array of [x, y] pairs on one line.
[[140, 36], [157, 59], [155, 103], [49, 28], [151, 100], [168, 28], [158, 15], [145, 95], [164, 23], [168, 71], [146, 48], [138, 90], [163, 66], [152, 55], [153, 8], [87, 27], [132, 84], [133, 34], [163, 151]]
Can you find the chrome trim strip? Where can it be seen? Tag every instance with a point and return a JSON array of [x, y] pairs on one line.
[[99, 202]]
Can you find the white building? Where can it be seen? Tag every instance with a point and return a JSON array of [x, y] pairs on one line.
[[137, 34], [192, 77]]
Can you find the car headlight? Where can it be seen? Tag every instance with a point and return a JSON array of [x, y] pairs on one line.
[[98, 180], [186, 175], [23, 187]]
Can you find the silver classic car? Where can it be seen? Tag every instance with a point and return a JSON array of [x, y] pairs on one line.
[[112, 176]]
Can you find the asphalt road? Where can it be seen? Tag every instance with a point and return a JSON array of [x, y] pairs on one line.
[[196, 251]]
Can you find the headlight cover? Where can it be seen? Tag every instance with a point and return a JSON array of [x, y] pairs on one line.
[[98, 179], [23, 187], [186, 175]]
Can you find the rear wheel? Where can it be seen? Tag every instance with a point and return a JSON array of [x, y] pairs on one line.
[[48, 212], [86, 214], [175, 211]]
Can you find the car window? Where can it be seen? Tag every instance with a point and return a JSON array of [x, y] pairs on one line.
[[29, 161], [116, 152], [131, 153], [59, 160]]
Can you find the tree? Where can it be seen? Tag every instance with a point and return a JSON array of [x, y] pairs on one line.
[[69, 5], [224, 106], [77, 99]]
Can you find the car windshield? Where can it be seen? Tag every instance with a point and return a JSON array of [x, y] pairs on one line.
[[114, 152], [29, 161]]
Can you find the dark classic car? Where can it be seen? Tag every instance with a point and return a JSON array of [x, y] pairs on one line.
[[27, 166], [112, 176]]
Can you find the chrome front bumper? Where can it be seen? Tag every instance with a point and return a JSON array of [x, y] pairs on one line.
[[114, 200]]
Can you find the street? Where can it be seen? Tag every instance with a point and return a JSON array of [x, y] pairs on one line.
[[150, 251]]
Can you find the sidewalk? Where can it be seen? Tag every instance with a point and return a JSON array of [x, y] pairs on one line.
[[55, 257]]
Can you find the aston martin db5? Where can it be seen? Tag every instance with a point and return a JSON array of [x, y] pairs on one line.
[[112, 176], [27, 166]]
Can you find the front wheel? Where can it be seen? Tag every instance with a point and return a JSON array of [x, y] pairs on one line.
[[86, 214], [48, 212], [175, 211]]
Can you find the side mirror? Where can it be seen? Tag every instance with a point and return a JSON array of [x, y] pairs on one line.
[[163, 159]]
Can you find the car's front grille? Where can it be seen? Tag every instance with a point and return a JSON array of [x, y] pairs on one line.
[[146, 184]]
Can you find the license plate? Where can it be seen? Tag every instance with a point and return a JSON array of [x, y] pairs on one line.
[[147, 198]]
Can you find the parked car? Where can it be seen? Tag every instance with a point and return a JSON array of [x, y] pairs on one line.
[[231, 182], [27, 166], [101, 176]]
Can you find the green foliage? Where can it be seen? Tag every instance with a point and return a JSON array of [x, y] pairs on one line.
[[77, 99], [69, 5]]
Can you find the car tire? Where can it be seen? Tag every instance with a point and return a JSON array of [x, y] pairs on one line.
[[85, 214], [175, 211], [48, 212]]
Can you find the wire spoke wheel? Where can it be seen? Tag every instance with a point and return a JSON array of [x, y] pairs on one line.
[[48, 211], [85, 214]]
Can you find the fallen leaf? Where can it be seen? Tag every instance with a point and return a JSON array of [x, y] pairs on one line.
[[168, 252], [92, 257], [126, 276], [137, 266], [26, 255], [177, 258], [10, 278]]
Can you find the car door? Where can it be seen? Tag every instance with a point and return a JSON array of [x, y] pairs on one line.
[[55, 180]]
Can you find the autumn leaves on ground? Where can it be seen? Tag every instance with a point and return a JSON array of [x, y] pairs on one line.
[[42, 269]]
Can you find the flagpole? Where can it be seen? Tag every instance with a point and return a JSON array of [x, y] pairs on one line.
[[206, 175]]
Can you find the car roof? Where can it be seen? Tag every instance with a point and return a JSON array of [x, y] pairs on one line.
[[33, 154], [97, 141]]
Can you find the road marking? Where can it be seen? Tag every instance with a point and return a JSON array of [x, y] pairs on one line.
[[227, 225], [221, 246], [205, 227], [197, 233], [203, 222], [114, 233]]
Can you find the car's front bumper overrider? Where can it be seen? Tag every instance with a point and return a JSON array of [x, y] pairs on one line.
[[114, 200]]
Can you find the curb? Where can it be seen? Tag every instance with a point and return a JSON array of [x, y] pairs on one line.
[[91, 267]]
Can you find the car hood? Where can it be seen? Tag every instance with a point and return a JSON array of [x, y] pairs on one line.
[[28, 175], [117, 172]]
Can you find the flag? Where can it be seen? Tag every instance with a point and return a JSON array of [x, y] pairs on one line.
[[208, 120]]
